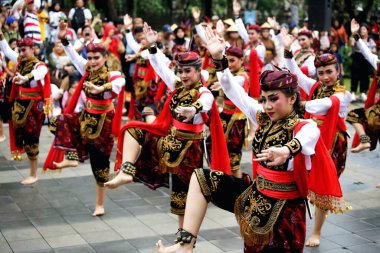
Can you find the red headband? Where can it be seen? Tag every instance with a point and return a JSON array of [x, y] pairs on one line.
[[188, 59], [306, 33], [324, 60], [277, 80], [25, 42], [95, 47], [235, 51], [254, 27]]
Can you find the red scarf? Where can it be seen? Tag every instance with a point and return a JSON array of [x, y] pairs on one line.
[[161, 126]]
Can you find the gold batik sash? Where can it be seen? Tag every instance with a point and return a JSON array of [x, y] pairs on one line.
[[256, 215]]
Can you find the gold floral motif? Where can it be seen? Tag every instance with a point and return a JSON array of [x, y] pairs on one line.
[[102, 175], [178, 199], [20, 113], [323, 91], [89, 123], [259, 205], [32, 151], [215, 179]]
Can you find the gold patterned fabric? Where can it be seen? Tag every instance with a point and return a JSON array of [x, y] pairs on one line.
[[20, 111], [271, 134], [322, 91]]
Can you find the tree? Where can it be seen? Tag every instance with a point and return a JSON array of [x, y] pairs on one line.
[[350, 7]]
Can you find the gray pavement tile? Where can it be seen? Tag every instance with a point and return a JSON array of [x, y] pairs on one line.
[[52, 226], [128, 203], [25, 233], [4, 247], [340, 217], [76, 249], [32, 202], [76, 209], [347, 240], [217, 234], [23, 192], [372, 235], [205, 246], [356, 225], [374, 221], [65, 241], [367, 248], [84, 223], [121, 193], [12, 216], [101, 236], [229, 244], [144, 210], [41, 213], [31, 245], [114, 247], [134, 229], [146, 242], [8, 205], [157, 201], [157, 219]]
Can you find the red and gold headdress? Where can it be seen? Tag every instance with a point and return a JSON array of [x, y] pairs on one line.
[[324, 60], [277, 80]]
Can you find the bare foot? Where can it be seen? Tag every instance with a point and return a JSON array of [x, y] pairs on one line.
[[177, 248], [313, 241], [120, 179], [99, 211], [378, 185], [361, 147], [2, 138], [66, 163], [29, 180]]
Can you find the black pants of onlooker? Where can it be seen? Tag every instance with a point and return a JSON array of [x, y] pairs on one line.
[[360, 72]]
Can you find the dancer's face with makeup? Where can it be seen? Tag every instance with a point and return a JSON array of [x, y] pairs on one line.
[[276, 104]]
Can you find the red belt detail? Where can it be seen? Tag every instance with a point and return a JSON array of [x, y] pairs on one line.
[[99, 106], [280, 177], [195, 128], [30, 93]]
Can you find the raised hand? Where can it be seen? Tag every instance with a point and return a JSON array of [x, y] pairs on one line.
[[288, 40], [128, 21], [236, 6], [216, 86], [215, 44], [354, 26], [275, 156], [272, 22], [150, 35], [220, 27], [187, 112]]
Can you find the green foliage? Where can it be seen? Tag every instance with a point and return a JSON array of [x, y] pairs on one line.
[[155, 6]]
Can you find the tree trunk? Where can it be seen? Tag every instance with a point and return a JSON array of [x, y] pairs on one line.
[[207, 7], [112, 13], [230, 10]]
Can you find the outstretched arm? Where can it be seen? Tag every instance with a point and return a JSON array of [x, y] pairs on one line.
[[4, 47]]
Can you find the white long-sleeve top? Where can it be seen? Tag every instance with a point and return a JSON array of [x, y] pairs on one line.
[[39, 71], [158, 63], [244, 35], [80, 64], [366, 52], [318, 106], [201, 32], [307, 136], [132, 43]]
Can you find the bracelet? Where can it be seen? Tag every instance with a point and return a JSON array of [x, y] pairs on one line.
[[128, 169], [30, 76], [65, 41], [288, 54], [220, 64], [107, 87], [198, 106], [294, 146], [356, 36], [152, 50]]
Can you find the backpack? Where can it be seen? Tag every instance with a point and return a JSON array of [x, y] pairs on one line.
[[78, 19]]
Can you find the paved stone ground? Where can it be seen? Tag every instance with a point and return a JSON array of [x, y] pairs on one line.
[[54, 215]]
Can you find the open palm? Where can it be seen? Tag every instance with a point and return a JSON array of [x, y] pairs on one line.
[[150, 34], [215, 44]]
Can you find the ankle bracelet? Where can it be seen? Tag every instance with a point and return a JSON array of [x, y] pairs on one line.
[[365, 139], [184, 237], [128, 169]]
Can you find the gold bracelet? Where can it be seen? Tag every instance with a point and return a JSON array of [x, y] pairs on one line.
[[107, 87]]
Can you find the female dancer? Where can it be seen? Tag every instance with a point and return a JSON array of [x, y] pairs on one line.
[[180, 150], [271, 209], [327, 105]]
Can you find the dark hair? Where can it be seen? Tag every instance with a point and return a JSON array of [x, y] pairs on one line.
[[297, 104], [74, 77], [138, 29], [12, 40]]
